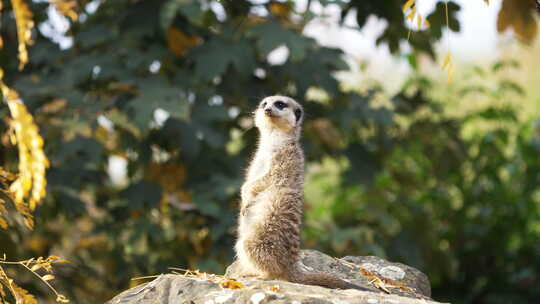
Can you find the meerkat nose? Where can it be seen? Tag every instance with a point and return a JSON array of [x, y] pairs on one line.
[[268, 111]]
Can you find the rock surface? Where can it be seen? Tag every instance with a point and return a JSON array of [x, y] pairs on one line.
[[391, 283]]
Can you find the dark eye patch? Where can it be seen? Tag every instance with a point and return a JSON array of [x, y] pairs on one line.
[[297, 114], [280, 104], [263, 104]]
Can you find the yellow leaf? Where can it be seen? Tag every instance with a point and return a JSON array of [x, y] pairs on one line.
[[408, 5], [31, 182], [179, 42], [3, 223], [23, 17], [447, 60], [62, 299], [68, 8], [419, 22], [275, 288], [231, 284], [519, 16], [411, 15], [47, 277], [52, 258], [54, 106], [281, 10], [448, 66], [21, 295], [35, 267], [62, 261]]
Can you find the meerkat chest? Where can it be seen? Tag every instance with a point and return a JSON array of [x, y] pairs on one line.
[[260, 169], [261, 164]]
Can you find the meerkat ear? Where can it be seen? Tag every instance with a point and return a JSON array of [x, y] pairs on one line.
[[298, 114]]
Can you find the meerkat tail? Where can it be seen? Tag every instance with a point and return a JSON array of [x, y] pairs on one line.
[[324, 280]]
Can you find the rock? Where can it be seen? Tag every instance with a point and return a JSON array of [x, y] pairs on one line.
[[390, 283], [408, 276]]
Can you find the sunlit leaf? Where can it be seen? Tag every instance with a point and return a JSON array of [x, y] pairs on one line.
[[68, 8], [47, 277], [447, 60], [23, 17], [22, 295], [411, 14], [36, 267], [31, 182], [408, 5], [62, 299], [448, 65], [281, 10]]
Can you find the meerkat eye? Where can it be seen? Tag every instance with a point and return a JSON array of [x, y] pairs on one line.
[[280, 104], [263, 104]]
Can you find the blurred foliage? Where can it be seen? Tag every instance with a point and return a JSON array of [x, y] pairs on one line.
[[458, 196], [146, 123]]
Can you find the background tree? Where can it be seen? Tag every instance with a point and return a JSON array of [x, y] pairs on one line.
[[166, 87]]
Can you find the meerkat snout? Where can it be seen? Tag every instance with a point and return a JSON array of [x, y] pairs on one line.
[[268, 111]]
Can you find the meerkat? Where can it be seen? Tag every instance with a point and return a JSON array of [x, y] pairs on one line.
[[272, 199]]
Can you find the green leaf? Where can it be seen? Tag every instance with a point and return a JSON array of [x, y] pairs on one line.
[[512, 86], [350, 112], [315, 70], [87, 151], [271, 35], [154, 93], [510, 63], [184, 136], [69, 201], [120, 119], [190, 9], [437, 19], [206, 205], [214, 57], [364, 164], [95, 35], [142, 195]]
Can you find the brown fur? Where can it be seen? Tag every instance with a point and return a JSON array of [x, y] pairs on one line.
[[268, 245]]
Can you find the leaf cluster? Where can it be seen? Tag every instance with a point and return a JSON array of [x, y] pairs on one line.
[[33, 265]]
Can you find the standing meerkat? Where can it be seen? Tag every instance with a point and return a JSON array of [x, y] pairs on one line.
[[268, 244]]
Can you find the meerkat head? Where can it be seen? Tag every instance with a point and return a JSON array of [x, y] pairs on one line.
[[279, 113]]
